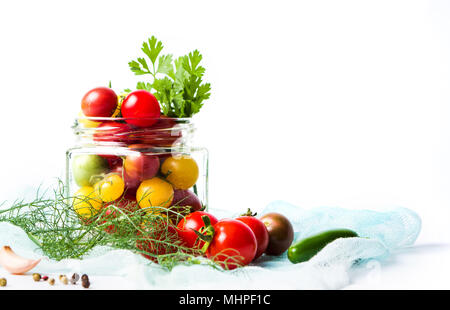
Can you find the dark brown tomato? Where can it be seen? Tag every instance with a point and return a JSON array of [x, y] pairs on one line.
[[281, 233]]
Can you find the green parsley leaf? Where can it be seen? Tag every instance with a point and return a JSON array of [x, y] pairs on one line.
[[164, 64], [143, 85], [191, 64], [144, 64], [152, 49], [136, 68], [180, 91]]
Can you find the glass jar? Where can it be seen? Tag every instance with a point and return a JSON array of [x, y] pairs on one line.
[[156, 166]]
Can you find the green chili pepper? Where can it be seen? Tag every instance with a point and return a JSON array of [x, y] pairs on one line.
[[303, 250]]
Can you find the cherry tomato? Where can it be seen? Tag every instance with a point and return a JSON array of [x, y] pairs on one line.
[[111, 214], [140, 166], [184, 197], [260, 231], [233, 244], [190, 223], [281, 233], [184, 202], [181, 171], [110, 188], [99, 102], [141, 108], [154, 192], [113, 132], [148, 239], [86, 167], [85, 202], [163, 157]]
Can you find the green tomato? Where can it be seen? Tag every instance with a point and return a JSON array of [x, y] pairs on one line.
[[85, 166]]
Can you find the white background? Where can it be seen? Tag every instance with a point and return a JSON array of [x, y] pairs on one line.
[[337, 103]]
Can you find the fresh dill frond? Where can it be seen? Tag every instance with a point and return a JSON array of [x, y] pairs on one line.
[[54, 226]]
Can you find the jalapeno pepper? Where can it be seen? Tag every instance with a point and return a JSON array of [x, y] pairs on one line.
[[304, 249]]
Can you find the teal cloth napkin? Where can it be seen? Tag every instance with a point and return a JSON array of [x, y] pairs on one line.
[[381, 232]]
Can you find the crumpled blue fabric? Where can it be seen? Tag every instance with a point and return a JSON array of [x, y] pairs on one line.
[[381, 234]]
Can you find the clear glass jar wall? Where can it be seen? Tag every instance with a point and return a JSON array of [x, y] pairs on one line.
[[156, 166]]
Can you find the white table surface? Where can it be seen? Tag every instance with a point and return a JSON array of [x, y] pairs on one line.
[[422, 266]]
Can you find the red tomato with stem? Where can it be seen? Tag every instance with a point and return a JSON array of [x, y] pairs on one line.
[[260, 231], [189, 224], [141, 108], [233, 244], [99, 102]]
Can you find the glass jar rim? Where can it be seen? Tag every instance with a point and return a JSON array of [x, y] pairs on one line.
[[116, 119], [162, 132]]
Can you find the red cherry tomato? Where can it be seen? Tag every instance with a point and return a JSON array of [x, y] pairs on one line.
[[260, 231], [126, 205], [190, 223], [99, 102], [113, 132], [233, 244], [140, 166], [141, 108], [148, 240]]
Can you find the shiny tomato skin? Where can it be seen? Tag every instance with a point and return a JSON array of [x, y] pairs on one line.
[[181, 171], [184, 198], [184, 202], [141, 108], [99, 102], [281, 233], [260, 231], [190, 223], [233, 245], [154, 193], [140, 167]]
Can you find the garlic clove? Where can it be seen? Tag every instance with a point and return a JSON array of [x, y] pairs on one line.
[[14, 263]]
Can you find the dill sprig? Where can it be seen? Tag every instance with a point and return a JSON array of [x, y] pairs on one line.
[[54, 226]]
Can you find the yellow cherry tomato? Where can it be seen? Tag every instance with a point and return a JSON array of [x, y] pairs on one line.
[[110, 188], [154, 192], [181, 171], [85, 202], [86, 122]]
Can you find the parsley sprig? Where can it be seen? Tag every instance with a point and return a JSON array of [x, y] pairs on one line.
[[176, 83]]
